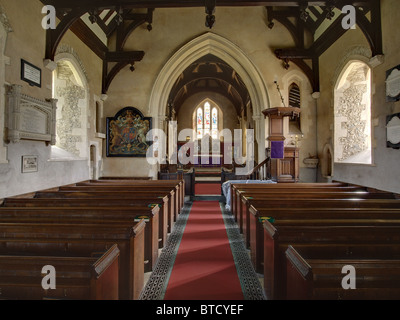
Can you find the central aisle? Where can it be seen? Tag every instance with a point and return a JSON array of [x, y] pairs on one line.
[[204, 268], [205, 258]]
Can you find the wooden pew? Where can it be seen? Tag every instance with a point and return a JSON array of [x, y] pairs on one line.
[[315, 273], [97, 215], [278, 237], [124, 190], [288, 192], [125, 178], [120, 196], [277, 186], [307, 215], [102, 202], [177, 185], [81, 239], [90, 277], [237, 191], [311, 200]]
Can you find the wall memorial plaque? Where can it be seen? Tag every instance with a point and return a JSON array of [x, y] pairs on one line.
[[31, 74], [393, 131], [393, 84], [30, 118], [29, 164]]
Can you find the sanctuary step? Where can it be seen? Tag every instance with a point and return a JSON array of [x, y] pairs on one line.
[[208, 175]]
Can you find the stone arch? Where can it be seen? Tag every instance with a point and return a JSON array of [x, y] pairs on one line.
[[70, 87], [5, 28], [352, 113], [211, 43]]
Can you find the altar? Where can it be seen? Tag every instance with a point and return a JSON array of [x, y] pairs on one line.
[[208, 160]]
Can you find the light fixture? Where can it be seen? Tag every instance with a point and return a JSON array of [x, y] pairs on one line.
[[329, 12], [210, 9], [304, 15], [118, 18], [93, 16]]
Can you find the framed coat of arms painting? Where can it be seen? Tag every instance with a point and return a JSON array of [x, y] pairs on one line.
[[126, 134]]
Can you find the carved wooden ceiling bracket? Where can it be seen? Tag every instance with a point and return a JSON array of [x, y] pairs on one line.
[[297, 22], [70, 19]]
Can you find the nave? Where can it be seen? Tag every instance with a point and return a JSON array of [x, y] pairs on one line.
[[278, 241]]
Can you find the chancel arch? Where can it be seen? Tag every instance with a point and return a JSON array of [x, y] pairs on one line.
[[222, 48]]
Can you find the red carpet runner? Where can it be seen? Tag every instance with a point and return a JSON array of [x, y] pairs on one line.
[[204, 268], [207, 188]]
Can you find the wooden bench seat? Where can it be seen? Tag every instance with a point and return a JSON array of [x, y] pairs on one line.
[[124, 178], [173, 191], [243, 197], [102, 202], [280, 187], [277, 239], [307, 216], [81, 239], [236, 198], [177, 185], [315, 273], [90, 277], [98, 215], [313, 200], [173, 194], [112, 196]]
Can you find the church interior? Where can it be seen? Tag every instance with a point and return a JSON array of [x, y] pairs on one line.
[[199, 150]]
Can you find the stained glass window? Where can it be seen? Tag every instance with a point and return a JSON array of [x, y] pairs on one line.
[[207, 121], [199, 123], [214, 123]]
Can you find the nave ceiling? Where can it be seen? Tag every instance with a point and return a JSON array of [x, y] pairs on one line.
[[313, 25]]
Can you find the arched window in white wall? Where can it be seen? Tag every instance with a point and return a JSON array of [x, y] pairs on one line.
[[207, 121], [352, 115], [70, 89], [294, 101]]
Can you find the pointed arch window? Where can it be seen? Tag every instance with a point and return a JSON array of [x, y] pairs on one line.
[[214, 123], [294, 101], [199, 123], [207, 121], [352, 111]]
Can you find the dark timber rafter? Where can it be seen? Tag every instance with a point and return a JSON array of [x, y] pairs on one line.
[[292, 14], [113, 4], [69, 16], [300, 54]]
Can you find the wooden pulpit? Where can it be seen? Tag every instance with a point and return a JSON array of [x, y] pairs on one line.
[[284, 164]]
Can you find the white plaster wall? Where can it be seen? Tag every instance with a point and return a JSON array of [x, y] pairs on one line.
[[50, 173], [28, 41], [384, 172]]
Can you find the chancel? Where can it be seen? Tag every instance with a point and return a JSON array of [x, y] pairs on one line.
[[199, 150]]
